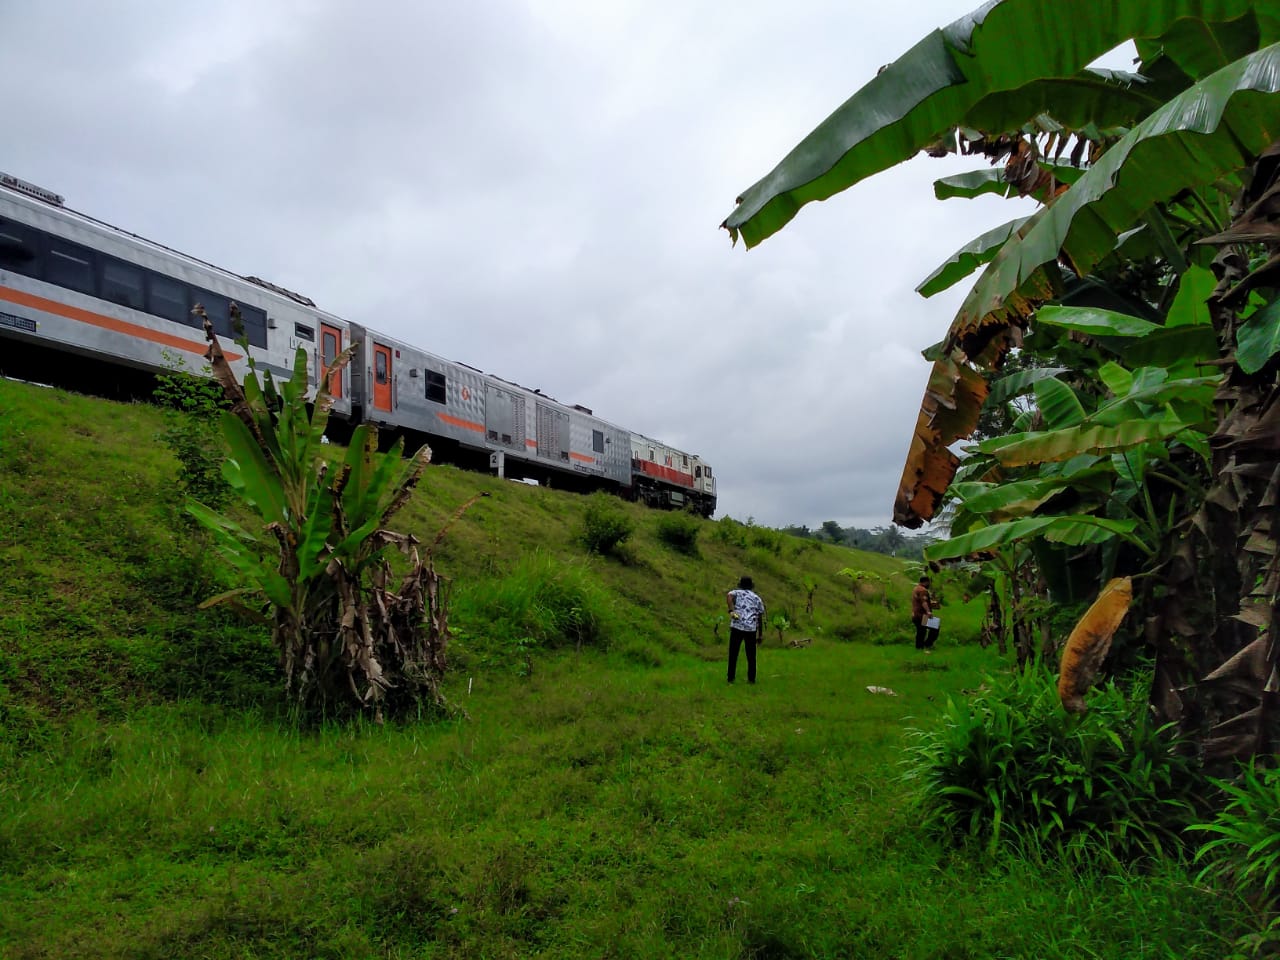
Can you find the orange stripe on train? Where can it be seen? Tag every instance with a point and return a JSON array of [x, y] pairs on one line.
[[106, 323], [459, 422]]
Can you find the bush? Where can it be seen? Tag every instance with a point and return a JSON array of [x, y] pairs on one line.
[[192, 405], [1012, 765], [604, 524], [729, 532], [1244, 855], [679, 531], [541, 604]]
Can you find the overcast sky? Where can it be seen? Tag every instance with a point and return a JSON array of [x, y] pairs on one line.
[[534, 188]]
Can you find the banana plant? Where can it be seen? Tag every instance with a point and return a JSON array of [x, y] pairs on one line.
[[312, 561], [1177, 175]]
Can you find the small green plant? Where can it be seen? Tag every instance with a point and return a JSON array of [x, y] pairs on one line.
[[716, 622], [810, 588], [679, 531], [1244, 854], [1012, 766], [859, 577], [192, 405], [604, 525], [780, 623]]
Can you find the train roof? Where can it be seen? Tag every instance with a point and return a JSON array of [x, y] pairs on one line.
[[32, 192]]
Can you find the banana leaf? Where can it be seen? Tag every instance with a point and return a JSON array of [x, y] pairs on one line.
[[991, 180], [1002, 46], [1096, 322], [1058, 403], [968, 258], [1095, 98], [1019, 382], [1258, 339], [1074, 530], [254, 475], [1056, 445], [1208, 132]]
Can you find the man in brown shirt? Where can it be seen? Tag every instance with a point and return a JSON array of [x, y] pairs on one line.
[[922, 610]]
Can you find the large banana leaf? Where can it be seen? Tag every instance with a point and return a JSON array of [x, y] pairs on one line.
[[1209, 131], [952, 402], [1195, 48], [1051, 446], [968, 258], [1019, 382], [1058, 403], [1002, 46], [1094, 98], [1179, 347], [1073, 530]]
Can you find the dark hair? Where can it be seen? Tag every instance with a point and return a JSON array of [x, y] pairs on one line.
[[925, 580], [745, 583]]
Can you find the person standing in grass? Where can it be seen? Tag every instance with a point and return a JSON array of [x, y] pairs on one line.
[[921, 611], [746, 626]]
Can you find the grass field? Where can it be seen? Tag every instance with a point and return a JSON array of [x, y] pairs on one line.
[[617, 800]]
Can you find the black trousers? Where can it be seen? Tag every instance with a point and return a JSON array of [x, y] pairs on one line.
[[925, 636], [739, 638]]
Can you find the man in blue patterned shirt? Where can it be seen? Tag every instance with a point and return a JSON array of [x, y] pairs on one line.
[[746, 626]]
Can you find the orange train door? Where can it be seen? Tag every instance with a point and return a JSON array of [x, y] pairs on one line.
[[381, 377], [330, 344]]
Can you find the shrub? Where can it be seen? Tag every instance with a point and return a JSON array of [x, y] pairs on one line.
[[1012, 765], [604, 525], [679, 531], [1244, 855], [729, 532], [192, 405], [541, 603]]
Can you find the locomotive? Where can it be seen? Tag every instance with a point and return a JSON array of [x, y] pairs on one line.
[[78, 285]]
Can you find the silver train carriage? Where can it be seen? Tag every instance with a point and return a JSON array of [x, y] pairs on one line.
[[73, 283]]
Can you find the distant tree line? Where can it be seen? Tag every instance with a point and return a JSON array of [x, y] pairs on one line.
[[888, 540]]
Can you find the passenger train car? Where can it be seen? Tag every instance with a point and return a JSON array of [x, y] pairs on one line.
[[74, 284]]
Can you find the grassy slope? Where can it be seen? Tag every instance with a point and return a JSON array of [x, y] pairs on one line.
[[623, 803]]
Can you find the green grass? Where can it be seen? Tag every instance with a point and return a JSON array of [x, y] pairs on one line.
[[612, 797]]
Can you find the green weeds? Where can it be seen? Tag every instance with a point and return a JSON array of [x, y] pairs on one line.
[[1012, 767]]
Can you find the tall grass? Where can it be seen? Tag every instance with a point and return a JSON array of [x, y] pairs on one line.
[[1011, 766]]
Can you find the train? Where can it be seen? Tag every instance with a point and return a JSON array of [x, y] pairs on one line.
[[78, 286]]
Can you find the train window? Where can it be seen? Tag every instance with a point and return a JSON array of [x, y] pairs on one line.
[[697, 473], [122, 283], [708, 471], [380, 367], [303, 332], [18, 249], [597, 441], [255, 324], [686, 461], [436, 383], [70, 265], [167, 298], [218, 308], [651, 456]]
